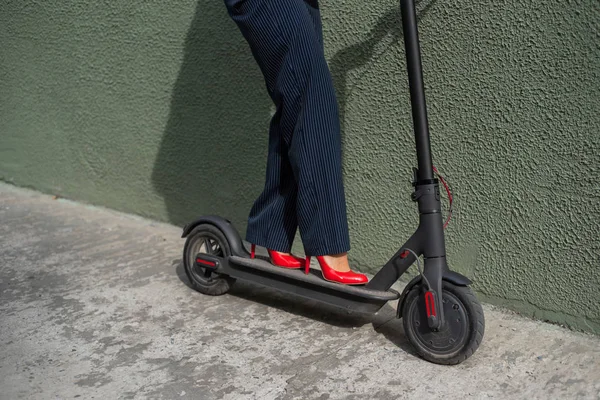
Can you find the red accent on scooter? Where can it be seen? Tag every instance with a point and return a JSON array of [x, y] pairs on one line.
[[404, 254], [430, 304], [252, 251], [209, 263]]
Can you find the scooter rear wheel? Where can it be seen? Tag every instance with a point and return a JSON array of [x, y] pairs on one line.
[[461, 333], [206, 239]]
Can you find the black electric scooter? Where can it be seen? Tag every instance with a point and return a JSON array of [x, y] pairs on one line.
[[441, 316]]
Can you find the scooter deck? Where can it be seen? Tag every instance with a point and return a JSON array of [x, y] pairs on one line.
[[311, 286]]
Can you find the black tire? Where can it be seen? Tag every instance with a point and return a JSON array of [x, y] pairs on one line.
[[209, 239], [461, 334]]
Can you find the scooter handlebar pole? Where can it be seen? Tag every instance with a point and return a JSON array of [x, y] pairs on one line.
[[417, 90]]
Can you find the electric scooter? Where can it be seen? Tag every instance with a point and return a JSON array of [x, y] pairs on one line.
[[441, 316]]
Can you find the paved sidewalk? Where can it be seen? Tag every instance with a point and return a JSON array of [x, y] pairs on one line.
[[94, 304]]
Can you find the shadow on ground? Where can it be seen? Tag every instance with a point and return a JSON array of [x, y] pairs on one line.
[[384, 322]]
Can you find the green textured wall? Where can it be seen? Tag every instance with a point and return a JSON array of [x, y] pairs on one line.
[[157, 108]]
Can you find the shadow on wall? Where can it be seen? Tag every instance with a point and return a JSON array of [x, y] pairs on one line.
[[212, 155], [211, 158], [360, 54]]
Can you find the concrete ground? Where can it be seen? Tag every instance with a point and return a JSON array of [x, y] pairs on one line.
[[94, 304]]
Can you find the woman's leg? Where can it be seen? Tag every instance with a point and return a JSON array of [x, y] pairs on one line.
[[339, 261], [315, 13], [286, 44], [272, 222]]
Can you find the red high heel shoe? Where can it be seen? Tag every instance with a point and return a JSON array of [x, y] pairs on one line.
[[280, 259], [331, 275]]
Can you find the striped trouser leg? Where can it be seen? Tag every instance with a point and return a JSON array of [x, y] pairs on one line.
[[304, 186]]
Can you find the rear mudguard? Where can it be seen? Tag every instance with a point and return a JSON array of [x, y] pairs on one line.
[[231, 234], [448, 276]]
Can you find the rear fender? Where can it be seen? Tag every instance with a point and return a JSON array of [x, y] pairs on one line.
[[231, 234]]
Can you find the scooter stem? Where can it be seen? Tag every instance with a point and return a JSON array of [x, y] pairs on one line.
[[417, 91]]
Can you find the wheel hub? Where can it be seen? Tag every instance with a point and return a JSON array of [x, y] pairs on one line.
[[204, 244], [452, 334]]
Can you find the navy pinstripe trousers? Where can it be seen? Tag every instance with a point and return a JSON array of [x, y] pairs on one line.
[[304, 188]]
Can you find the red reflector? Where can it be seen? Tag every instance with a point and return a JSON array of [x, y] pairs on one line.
[[404, 254], [430, 304], [209, 263]]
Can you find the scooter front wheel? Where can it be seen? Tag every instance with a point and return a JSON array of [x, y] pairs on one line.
[[462, 331], [207, 239]]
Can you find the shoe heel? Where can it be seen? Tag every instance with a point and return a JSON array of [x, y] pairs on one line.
[[307, 265]]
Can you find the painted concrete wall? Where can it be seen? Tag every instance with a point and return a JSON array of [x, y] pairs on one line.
[[157, 108]]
